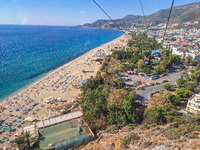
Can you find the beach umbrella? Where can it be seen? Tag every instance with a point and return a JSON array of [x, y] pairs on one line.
[[19, 121], [26, 122], [7, 140], [23, 118], [0, 141], [6, 129], [6, 124], [16, 116], [15, 125], [9, 128], [9, 115]]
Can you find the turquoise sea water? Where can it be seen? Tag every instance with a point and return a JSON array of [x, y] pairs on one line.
[[29, 52]]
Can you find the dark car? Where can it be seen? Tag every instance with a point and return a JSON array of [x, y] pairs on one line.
[[142, 88], [142, 74]]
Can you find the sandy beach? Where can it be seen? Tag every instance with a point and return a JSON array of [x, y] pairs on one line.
[[40, 99]]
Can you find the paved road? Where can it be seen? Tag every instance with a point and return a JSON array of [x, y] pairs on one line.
[[172, 76]]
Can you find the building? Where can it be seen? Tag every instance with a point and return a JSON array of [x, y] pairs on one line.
[[62, 132], [146, 61], [193, 105]]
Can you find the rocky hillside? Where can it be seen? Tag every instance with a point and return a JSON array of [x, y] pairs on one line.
[[147, 138], [180, 14]]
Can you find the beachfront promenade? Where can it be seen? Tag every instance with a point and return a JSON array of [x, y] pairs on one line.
[[62, 85]]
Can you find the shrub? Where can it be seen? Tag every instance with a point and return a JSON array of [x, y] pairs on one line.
[[151, 95], [174, 125], [174, 133], [127, 139], [147, 144], [164, 81], [111, 128], [152, 84], [167, 86]]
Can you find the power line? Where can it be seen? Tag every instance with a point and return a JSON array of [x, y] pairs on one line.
[[106, 14], [168, 19], [143, 13]]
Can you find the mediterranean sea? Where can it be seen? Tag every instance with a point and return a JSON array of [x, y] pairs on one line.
[[29, 52]]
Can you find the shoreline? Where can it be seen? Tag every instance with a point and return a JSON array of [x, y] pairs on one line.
[[62, 84], [61, 64]]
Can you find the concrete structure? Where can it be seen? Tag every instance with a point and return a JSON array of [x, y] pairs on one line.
[[193, 105]]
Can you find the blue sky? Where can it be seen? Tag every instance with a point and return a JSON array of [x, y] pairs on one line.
[[75, 12]]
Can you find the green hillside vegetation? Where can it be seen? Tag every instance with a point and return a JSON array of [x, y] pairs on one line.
[[106, 101]]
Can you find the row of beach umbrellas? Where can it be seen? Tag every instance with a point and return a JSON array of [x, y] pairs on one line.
[[7, 140], [9, 128]]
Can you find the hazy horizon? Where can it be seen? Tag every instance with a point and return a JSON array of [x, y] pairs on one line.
[[75, 12]]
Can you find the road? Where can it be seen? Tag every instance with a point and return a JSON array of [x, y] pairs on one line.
[[172, 76]]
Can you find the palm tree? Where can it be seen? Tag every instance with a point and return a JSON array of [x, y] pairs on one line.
[[27, 137], [24, 142], [20, 142]]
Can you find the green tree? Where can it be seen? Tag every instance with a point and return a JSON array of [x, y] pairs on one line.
[[20, 142], [183, 93], [24, 142], [141, 64], [146, 71], [188, 59], [193, 63], [198, 67], [196, 74], [180, 82], [189, 86], [187, 77], [174, 99], [167, 86], [154, 115], [181, 66]]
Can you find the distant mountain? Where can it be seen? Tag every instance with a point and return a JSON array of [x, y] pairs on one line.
[[180, 14], [108, 24]]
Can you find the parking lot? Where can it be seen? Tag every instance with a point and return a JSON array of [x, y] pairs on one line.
[[143, 95]]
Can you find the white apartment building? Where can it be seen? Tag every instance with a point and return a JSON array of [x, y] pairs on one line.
[[193, 105]]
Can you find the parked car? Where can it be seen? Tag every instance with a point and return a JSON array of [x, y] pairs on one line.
[[153, 77], [142, 88], [138, 82], [128, 79], [145, 77], [142, 74]]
